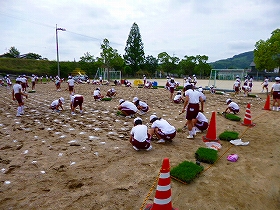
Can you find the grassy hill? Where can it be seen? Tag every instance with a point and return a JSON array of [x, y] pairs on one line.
[[240, 61]]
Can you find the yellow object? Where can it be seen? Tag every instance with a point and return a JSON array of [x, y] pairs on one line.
[[138, 82]]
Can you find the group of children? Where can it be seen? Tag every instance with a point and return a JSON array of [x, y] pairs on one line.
[[141, 135], [247, 85]]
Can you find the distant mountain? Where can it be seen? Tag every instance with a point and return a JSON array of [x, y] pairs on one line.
[[240, 61]]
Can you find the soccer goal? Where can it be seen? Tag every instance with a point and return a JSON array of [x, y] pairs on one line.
[[223, 78], [107, 74]]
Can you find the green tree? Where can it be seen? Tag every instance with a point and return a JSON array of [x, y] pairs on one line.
[[33, 56], [202, 68], [87, 58], [13, 53], [267, 53], [110, 57], [151, 65], [187, 65], [134, 50]]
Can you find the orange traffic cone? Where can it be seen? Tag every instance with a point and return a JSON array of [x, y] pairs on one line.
[[211, 132], [162, 200], [267, 103], [247, 119]]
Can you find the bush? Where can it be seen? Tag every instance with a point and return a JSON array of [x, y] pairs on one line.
[[232, 117], [186, 171], [206, 155], [228, 135]]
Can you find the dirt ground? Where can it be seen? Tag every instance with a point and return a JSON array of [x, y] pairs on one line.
[[42, 169]]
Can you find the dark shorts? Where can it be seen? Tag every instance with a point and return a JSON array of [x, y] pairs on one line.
[[164, 136], [71, 88], [192, 111], [202, 126], [265, 85], [178, 101], [78, 101], [97, 97], [276, 94], [128, 111], [171, 89], [18, 97], [235, 111], [236, 89], [142, 145], [23, 85], [33, 83], [145, 109]]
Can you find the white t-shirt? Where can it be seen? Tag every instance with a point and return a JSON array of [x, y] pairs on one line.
[[71, 82], [17, 88], [193, 96], [129, 105], [139, 132], [164, 126], [233, 105], [177, 97], [55, 103], [143, 104], [276, 87], [96, 93], [202, 96], [201, 117]]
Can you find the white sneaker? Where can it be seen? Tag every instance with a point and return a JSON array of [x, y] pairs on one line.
[[190, 137], [149, 148], [274, 108], [160, 141], [128, 116], [73, 113], [18, 115], [81, 111], [135, 148]]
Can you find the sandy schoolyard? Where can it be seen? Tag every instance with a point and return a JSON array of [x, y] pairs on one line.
[[54, 160]]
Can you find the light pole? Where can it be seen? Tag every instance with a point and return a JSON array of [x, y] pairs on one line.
[[57, 57]]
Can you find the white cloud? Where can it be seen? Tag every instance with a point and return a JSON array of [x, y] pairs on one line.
[[216, 28]]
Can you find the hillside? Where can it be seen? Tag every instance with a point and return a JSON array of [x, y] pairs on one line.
[[240, 61]]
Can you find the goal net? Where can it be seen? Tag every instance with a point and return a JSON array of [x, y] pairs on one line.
[[223, 78], [107, 74]]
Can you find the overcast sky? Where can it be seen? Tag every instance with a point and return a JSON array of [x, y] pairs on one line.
[[216, 28]]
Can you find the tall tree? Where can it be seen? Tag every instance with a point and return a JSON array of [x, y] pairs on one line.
[[267, 53], [110, 57], [87, 58], [134, 50]]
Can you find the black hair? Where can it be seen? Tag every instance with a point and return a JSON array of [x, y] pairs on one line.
[[138, 122], [154, 119], [137, 103]]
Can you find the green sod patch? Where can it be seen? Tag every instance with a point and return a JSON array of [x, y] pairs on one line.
[[228, 135], [106, 99], [119, 113], [219, 93], [206, 155], [186, 171], [232, 117], [31, 91], [252, 95]]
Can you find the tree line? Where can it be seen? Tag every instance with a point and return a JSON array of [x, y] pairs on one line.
[[134, 63]]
